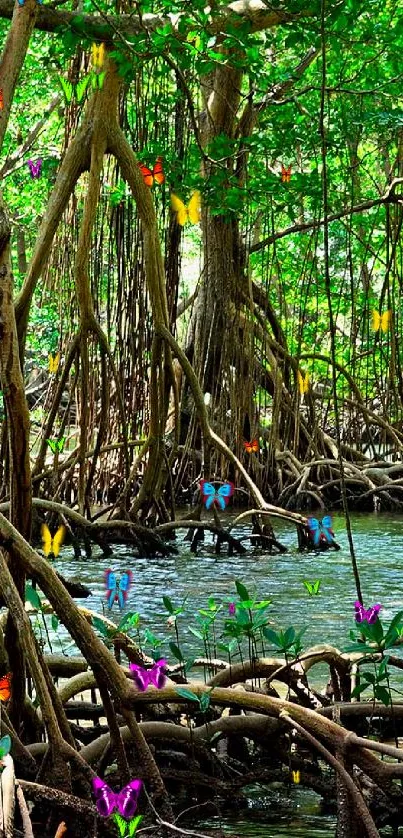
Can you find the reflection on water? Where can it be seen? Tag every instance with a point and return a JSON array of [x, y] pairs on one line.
[[295, 813], [328, 617]]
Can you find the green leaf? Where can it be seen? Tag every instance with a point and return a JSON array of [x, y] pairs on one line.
[[32, 597], [129, 621], [185, 693], [168, 604], [242, 591], [369, 677], [204, 702], [358, 690], [176, 651], [196, 633], [100, 625], [55, 622], [188, 664], [272, 637], [382, 694]]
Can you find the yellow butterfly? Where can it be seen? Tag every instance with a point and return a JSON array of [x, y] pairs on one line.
[[303, 383], [51, 546], [296, 776], [54, 362], [184, 213], [381, 321], [98, 55]]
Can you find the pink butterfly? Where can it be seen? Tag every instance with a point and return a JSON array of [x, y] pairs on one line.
[[107, 800], [143, 677], [370, 615], [35, 168]]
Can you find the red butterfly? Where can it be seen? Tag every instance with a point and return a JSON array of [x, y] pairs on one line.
[[1, 99], [285, 174], [5, 687], [251, 447], [156, 174]]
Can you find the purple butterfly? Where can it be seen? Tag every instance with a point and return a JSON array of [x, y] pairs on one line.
[[107, 800], [369, 615], [143, 677], [35, 168]]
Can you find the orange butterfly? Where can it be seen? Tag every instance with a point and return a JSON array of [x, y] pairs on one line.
[[5, 687], [1, 99], [251, 447], [156, 174], [285, 174]]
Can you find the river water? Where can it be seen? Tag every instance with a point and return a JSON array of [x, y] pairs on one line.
[[328, 618]]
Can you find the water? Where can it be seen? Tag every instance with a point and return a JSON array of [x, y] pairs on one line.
[[328, 617]]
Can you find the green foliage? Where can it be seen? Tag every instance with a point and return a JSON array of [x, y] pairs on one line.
[[287, 641]]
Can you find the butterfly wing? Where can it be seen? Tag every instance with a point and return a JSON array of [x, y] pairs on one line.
[[224, 493], [98, 54], [373, 613], [101, 78], [140, 676], [208, 493], [285, 174], [105, 798], [46, 539], [180, 209], [127, 798], [124, 586], [110, 584], [81, 87], [52, 445], [255, 446], [376, 320], [67, 88], [35, 168], [60, 444], [194, 208], [147, 175], [5, 687], [134, 824], [58, 540], [314, 529], [385, 320], [316, 586], [158, 171], [157, 675], [326, 528], [1, 99], [303, 382], [121, 823], [360, 612]]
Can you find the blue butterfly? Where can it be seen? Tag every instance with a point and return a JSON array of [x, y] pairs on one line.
[[21, 2], [220, 497], [114, 592], [321, 531]]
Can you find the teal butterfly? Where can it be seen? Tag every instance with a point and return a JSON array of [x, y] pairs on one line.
[[97, 80], [75, 91], [56, 444], [5, 746], [124, 825], [313, 588]]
